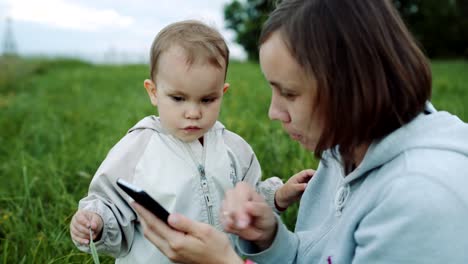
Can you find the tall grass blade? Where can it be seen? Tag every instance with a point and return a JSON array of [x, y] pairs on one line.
[[92, 247]]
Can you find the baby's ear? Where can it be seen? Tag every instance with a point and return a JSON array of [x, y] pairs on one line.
[[225, 87], [150, 87]]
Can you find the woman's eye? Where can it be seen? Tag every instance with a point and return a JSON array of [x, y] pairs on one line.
[[177, 98], [289, 96]]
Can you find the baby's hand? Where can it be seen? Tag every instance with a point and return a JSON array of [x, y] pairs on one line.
[[80, 224], [293, 189]]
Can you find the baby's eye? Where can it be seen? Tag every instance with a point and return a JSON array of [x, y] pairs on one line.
[[208, 100], [177, 98]]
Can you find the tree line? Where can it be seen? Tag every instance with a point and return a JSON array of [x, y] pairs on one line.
[[440, 26]]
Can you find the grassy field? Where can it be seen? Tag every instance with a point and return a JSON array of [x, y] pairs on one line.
[[59, 118]]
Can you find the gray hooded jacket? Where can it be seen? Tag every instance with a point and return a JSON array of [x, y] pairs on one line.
[[407, 202]]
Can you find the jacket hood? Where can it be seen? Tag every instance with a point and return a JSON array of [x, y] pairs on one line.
[[430, 130], [153, 123]]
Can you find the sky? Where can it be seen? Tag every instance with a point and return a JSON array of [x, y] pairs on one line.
[[117, 31]]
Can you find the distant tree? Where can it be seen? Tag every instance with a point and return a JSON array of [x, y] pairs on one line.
[[246, 19], [440, 26], [463, 14]]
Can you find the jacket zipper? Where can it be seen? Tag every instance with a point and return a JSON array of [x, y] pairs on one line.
[[204, 183], [206, 194]]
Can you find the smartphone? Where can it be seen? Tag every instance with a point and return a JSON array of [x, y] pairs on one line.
[[141, 197]]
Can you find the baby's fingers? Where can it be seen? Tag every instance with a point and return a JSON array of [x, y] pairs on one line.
[[81, 218], [304, 176], [299, 187], [96, 223], [80, 234]]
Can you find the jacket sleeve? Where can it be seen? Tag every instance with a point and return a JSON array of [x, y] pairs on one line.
[[284, 248], [250, 170], [424, 225], [107, 200]]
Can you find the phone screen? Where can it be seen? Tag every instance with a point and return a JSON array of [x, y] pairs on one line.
[[141, 197]]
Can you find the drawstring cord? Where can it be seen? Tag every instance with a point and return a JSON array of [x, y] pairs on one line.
[[341, 197]]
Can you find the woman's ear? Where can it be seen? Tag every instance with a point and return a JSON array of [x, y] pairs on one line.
[[225, 87], [150, 87]]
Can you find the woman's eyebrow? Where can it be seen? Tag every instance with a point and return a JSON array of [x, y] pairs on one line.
[[281, 87], [275, 84]]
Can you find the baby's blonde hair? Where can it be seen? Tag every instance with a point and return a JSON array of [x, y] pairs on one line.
[[198, 40]]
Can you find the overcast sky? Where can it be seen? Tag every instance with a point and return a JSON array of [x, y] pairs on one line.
[[103, 29]]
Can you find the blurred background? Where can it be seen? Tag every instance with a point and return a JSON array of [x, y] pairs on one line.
[[104, 31], [71, 85], [119, 31]]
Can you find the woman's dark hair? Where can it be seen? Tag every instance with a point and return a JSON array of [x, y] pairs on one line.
[[371, 76]]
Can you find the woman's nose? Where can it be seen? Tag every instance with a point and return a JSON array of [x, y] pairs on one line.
[[275, 112]]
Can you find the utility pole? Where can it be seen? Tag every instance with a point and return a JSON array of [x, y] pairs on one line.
[[9, 44]]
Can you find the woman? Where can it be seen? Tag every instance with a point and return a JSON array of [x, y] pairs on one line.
[[349, 83]]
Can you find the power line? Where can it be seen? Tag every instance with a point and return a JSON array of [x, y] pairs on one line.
[[9, 43]]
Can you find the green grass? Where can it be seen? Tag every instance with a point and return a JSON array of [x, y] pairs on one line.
[[59, 118]]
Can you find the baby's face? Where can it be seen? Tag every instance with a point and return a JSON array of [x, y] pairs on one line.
[[188, 97]]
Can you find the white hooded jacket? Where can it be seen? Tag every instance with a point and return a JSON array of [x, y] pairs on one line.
[[184, 177]]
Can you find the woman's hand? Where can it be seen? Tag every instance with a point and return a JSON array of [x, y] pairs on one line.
[[245, 213], [187, 241]]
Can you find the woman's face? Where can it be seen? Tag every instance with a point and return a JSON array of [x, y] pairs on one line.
[[293, 92]]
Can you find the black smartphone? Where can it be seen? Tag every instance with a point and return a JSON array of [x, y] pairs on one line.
[[141, 197]]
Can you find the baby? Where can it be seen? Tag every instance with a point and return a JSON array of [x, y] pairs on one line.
[[184, 158]]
